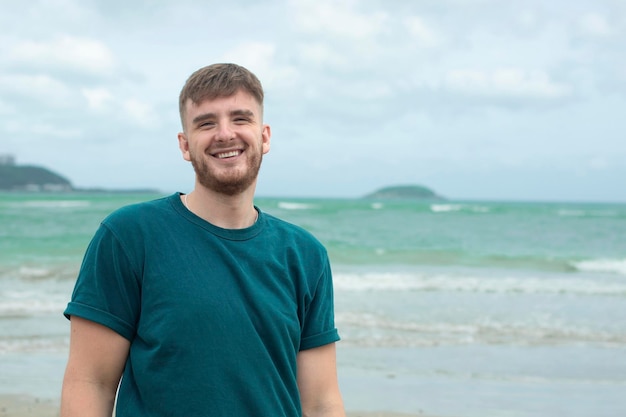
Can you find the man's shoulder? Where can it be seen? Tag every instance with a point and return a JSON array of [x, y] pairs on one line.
[[138, 213], [290, 232]]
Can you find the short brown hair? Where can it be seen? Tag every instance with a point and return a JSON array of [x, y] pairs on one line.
[[218, 80]]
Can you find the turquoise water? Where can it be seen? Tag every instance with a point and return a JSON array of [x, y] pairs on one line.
[[460, 308], [541, 236]]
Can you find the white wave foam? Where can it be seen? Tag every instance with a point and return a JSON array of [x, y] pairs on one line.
[[443, 208], [30, 302], [446, 208], [31, 272], [585, 213], [571, 213], [375, 330], [615, 266], [286, 205], [30, 306], [454, 283], [56, 204], [33, 345]]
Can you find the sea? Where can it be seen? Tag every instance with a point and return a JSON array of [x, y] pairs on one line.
[[445, 308]]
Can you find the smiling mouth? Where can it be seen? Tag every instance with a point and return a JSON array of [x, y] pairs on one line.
[[229, 154]]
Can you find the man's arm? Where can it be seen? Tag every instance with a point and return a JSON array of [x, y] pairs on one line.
[[95, 366], [317, 382]]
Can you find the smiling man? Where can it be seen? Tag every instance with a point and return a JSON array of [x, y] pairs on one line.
[[201, 304]]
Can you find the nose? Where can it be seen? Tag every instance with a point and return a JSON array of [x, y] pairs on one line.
[[224, 132]]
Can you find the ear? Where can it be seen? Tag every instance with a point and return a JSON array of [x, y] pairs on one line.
[[266, 135], [183, 144]]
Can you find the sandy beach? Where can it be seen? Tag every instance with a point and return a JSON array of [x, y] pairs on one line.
[[25, 406], [22, 406]]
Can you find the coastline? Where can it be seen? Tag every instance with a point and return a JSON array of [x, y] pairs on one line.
[[27, 406], [13, 405]]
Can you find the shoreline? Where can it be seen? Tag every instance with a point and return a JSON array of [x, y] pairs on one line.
[[27, 406]]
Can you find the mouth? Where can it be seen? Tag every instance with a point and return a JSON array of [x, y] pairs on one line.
[[227, 154]]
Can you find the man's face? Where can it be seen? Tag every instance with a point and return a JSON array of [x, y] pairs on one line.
[[225, 140]]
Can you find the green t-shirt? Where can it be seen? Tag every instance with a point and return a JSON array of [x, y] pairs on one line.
[[215, 317]]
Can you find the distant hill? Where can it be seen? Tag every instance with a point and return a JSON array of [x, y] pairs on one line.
[[34, 178], [405, 192], [31, 178]]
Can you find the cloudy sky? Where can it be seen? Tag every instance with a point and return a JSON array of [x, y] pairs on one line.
[[477, 99]]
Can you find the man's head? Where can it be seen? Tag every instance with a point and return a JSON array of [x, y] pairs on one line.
[[224, 137], [218, 80]]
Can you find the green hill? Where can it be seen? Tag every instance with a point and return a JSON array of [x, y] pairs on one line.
[[31, 178], [405, 192]]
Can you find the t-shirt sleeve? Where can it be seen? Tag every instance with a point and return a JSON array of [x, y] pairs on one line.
[[107, 290], [319, 324]]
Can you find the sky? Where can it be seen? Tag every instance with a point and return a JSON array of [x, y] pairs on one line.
[[475, 99]]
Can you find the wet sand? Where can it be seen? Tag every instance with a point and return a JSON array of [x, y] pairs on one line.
[[25, 406]]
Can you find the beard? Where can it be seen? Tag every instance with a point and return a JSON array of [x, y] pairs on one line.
[[228, 183]]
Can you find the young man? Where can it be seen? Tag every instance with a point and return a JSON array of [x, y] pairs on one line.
[[201, 304]]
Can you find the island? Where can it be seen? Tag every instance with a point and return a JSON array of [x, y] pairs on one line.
[[404, 192], [15, 177], [33, 178]]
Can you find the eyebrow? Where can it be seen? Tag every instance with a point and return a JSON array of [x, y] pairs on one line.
[[208, 116]]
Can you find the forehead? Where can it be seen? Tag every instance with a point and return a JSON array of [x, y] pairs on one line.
[[241, 100]]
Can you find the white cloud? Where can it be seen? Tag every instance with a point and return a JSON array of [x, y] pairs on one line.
[[40, 130], [261, 58], [512, 82], [40, 88], [97, 98], [6, 108], [140, 113], [338, 18], [422, 32], [546, 81], [253, 55], [527, 19], [595, 25], [65, 52], [598, 163], [323, 55]]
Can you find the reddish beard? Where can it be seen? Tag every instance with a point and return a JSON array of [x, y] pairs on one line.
[[231, 183]]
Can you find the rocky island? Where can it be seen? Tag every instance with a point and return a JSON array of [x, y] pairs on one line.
[[405, 192], [15, 177], [32, 178]]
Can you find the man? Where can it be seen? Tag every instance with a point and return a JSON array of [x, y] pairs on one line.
[[201, 304]]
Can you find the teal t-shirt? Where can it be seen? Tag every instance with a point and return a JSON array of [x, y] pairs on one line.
[[215, 316]]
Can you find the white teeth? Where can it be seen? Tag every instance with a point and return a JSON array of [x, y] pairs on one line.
[[227, 154]]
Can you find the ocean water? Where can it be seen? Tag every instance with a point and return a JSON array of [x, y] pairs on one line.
[[459, 308]]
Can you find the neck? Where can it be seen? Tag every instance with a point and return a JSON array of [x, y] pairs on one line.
[[227, 212]]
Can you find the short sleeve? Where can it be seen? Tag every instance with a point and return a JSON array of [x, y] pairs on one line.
[[107, 290], [319, 324]]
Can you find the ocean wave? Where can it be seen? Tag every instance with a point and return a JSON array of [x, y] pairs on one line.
[[34, 344], [366, 329], [616, 266], [474, 284], [62, 204], [446, 208], [30, 273], [588, 213], [286, 205], [30, 303], [27, 272]]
